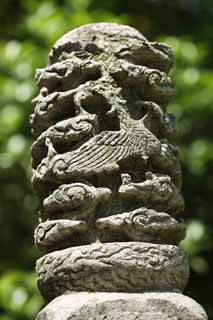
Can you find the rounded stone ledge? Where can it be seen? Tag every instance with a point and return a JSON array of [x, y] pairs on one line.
[[119, 306], [112, 267]]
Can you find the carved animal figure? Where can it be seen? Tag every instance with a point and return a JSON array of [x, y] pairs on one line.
[[103, 152]]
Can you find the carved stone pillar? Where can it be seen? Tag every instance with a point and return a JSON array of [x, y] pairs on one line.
[[108, 180]]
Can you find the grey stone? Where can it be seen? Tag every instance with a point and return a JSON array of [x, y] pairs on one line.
[[157, 190], [108, 179], [60, 234], [66, 132], [78, 200], [113, 267], [119, 306], [141, 225]]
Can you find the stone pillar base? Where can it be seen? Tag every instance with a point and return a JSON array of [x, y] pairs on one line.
[[120, 306]]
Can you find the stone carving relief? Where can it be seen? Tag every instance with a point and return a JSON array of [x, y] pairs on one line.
[[106, 173]]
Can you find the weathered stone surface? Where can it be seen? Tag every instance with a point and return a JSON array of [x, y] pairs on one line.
[[100, 155], [108, 179], [118, 267], [60, 234], [101, 113], [123, 41], [119, 306], [157, 190], [141, 225], [67, 133], [77, 200]]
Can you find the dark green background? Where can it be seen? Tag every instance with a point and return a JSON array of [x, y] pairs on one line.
[[28, 29]]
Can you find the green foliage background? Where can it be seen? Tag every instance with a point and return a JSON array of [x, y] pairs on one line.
[[28, 29]]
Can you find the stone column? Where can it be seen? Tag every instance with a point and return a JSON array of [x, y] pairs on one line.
[[108, 180]]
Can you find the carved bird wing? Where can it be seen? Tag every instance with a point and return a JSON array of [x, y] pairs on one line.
[[104, 149], [100, 154]]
